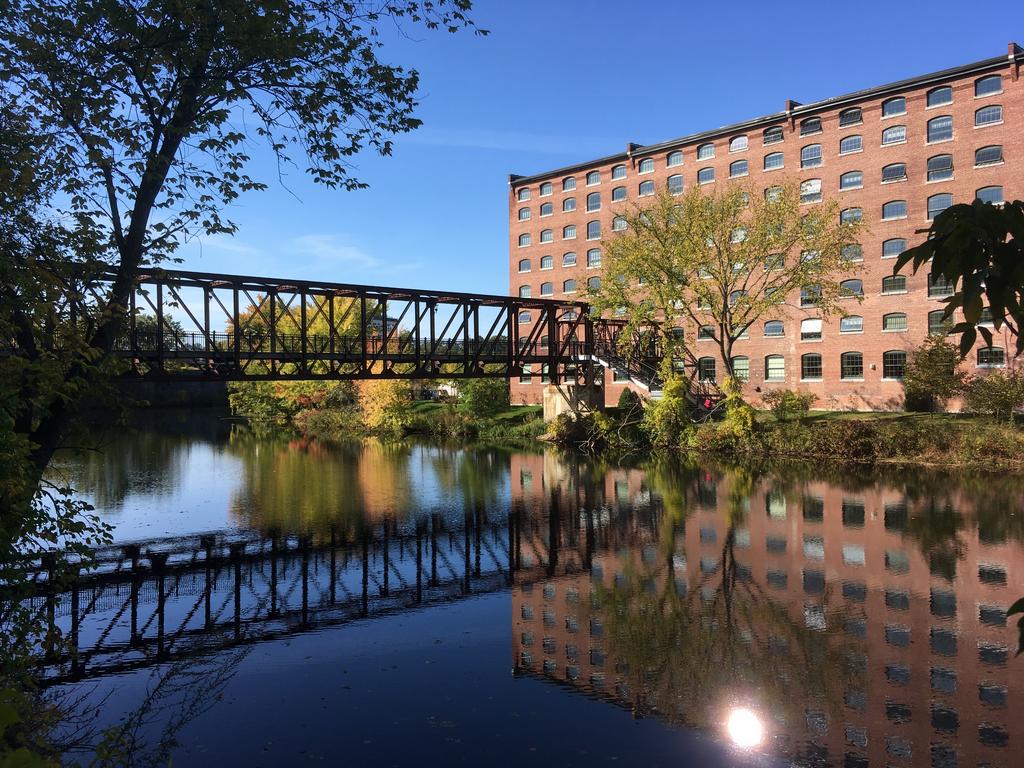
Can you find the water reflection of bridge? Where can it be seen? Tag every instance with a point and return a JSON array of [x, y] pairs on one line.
[[168, 599]]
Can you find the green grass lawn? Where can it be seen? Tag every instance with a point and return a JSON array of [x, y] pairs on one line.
[[509, 415]]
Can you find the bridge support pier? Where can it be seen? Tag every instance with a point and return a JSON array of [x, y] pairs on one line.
[[571, 398]]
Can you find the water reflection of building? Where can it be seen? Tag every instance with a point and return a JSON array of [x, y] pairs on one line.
[[915, 605]]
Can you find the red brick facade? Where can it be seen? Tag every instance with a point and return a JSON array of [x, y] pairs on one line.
[[872, 390]]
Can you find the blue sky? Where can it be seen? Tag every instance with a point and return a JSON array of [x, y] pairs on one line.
[[559, 82]]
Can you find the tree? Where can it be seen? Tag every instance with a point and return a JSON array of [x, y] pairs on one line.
[[723, 260], [979, 248], [931, 377], [483, 397], [135, 113]]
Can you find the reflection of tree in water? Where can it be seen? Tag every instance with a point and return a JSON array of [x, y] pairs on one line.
[[477, 476]]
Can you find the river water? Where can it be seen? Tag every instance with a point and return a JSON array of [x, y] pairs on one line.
[[275, 601]]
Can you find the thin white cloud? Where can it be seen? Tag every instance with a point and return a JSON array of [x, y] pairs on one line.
[[324, 253]]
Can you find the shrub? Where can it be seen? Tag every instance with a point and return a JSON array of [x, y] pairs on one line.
[[385, 404], [997, 394], [629, 400], [667, 420], [932, 375], [328, 423], [788, 403], [483, 397]]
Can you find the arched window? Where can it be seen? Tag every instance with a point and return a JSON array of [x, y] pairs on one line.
[[706, 333], [741, 367], [524, 291], [851, 288], [736, 296], [524, 265], [810, 126], [646, 165], [810, 191], [991, 357], [569, 259], [774, 194], [594, 177], [774, 368], [894, 364], [992, 195], [987, 86], [675, 184], [895, 134], [546, 189], [852, 253], [705, 175], [524, 317], [594, 257], [774, 160], [940, 167], [569, 232], [706, 369], [851, 180], [894, 284], [646, 188], [547, 262], [706, 151], [523, 194], [940, 129], [618, 172], [546, 209], [810, 295], [939, 287], [569, 204], [850, 144], [897, 105], [893, 247], [547, 235], [524, 214], [619, 224], [737, 143], [851, 324], [894, 172], [593, 230], [618, 194], [939, 96], [851, 215], [989, 115], [737, 168], [851, 365], [810, 367], [894, 209], [810, 156], [594, 283], [674, 159], [593, 202], [992, 155], [568, 184], [774, 328], [772, 135], [569, 286], [810, 329], [894, 321], [547, 289], [938, 203], [938, 325], [851, 116], [524, 240]]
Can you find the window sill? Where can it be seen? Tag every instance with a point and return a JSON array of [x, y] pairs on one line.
[[986, 125], [936, 106], [851, 152], [895, 218], [852, 333], [812, 133], [850, 125], [893, 293], [811, 341], [895, 181], [990, 365], [893, 143], [811, 167], [844, 378], [894, 330], [988, 165], [939, 141], [989, 95], [776, 168], [739, 176], [890, 378], [938, 181], [811, 381], [851, 189], [895, 114]]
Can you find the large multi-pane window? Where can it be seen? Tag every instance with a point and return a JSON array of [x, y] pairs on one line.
[[849, 215], [939, 287], [546, 189], [547, 235], [569, 232], [851, 180], [938, 203], [569, 184], [810, 191], [547, 262], [940, 128], [547, 289], [675, 184], [737, 143], [594, 177], [593, 230], [524, 240], [523, 214], [594, 257], [992, 195], [593, 202], [569, 204], [989, 115], [988, 156], [546, 209], [618, 194], [706, 151], [674, 159], [738, 168], [851, 324], [894, 364], [810, 126], [851, 365], [894, 172], [523, 194], [772, 135], [618, 172], [851, 288], [741, 367], [851, 116], [646, 188], [810, 329], [524, 291], [524, 317], [850, 144], [852, 253], [619, 224], [524, 265], [810, 295], [646, 165], [775, 368], [569, 259], [894, 321], [938, 325], [986, 86], [895, 134], [893, 247], [774, 328], [991, 357], [773, 194], [894, 209], [706, 369], [594, 283], [810, 156], [810, 366], [894, 106], [939, 96], [894, 284], [940, 167], [774, 160], [569, 286], [706, 333], [705, 175]]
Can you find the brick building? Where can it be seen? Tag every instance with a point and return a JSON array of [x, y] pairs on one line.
[[895, 155]]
